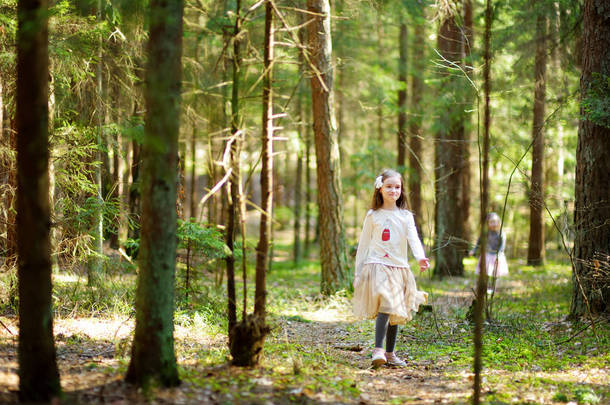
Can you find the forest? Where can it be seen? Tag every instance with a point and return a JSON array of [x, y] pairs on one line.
[[184, 185]]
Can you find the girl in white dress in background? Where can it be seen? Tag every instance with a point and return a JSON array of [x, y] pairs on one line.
[[495, 259]]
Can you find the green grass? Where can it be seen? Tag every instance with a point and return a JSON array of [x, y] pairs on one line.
[[528, 345]]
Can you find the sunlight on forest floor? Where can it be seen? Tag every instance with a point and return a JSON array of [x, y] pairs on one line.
[[318, 353]]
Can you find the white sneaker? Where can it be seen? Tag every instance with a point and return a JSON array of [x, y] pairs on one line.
[[378, 357], [394, 361]]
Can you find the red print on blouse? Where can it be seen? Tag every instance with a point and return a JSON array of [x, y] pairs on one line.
[[385, 235]]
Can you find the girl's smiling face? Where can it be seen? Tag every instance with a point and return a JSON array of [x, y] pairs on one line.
[[391, 189]]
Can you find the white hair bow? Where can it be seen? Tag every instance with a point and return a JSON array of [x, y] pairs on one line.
[[378, 182]]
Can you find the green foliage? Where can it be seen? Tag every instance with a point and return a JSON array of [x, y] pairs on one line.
[[132, 245], [61, 8], [219, 24], [203, 240], [367, 163], [578, 394], [585, 395], [283, 217], [596, 102], [205, 310], [76, 200]]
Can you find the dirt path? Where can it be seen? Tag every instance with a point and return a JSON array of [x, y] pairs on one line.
[[89, 353], [418, 383]]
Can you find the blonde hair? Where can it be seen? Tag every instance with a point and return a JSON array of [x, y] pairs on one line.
[[493, 216]]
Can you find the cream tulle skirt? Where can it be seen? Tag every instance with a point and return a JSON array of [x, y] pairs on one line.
[[490, 263], [389, 290]]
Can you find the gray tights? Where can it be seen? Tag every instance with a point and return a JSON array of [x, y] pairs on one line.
[[383, 330]]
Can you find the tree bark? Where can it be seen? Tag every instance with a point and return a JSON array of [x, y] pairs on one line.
[[402, 96], [181, 192], [116, 113], [125, 172], [481, 295], [94, 265], [308, 191], [380, 55], [330, 218], [469, 100], [38, 374], [135, 209], [450, 247], [153, 356], [11, 216], [235, 178], [262, 249], [297, 251], [592, 239], [193, 188], [535, 252], [298, 203], [249, 335], [211, 181], [415, 123], [5, 165], [116, 159]]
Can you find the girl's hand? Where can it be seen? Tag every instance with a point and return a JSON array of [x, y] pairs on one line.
[[356, 281], [424, 264]]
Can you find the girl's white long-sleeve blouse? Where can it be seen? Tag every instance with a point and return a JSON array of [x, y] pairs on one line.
[[385, 238]]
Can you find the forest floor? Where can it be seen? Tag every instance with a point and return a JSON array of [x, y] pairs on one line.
[[318, 354]]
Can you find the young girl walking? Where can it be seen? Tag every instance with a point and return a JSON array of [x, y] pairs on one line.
[[384, 287], [495, 260]]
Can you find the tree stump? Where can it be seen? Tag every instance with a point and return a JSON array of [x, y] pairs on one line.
[[247, 342]]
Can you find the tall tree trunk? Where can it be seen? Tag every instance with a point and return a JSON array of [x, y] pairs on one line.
[[212, 179], [94, 264], [340, 74], [11, 216], [298, 202], [415, 123], [302, 135], [590, 291], [481, 295], [308, 198], [193, 191], [469, 100], [125, 191], [262, 249], [135, 209], [181, 192], [450, 247], [235, 178], [247, 347], [116, 164], [38, 374], [134, 189], [330, 218], [153, 357], [535, 251], [5, 166], [380, 56], [402, 95], [116, 115], [341, 130]]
